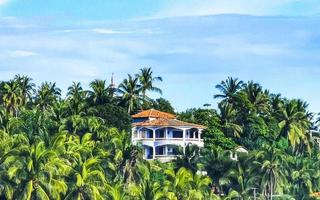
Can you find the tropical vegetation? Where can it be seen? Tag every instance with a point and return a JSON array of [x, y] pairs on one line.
[[79, 146]]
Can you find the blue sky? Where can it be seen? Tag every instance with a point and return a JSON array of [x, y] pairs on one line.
[[192, 44]]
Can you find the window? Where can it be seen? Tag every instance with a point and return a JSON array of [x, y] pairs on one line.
[[160, 151], [177, 134], [160, 133]]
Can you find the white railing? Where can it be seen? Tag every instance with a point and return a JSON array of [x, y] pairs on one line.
[[176, 139], [165, 158]]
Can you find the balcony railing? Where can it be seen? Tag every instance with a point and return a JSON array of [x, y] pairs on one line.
[[162, 139], [165, 158]]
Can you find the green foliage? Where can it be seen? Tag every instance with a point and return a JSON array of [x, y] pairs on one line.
[[159, 104], [80, 147], [113, 116], [214, 137]]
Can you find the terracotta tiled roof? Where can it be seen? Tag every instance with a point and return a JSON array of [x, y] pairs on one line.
[[154, 114], [167, 123]]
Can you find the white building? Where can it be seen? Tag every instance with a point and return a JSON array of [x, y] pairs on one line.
[[160, 134]]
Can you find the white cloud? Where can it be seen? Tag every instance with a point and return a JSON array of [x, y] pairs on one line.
[[21, 53], [232, 46], [122, 31], [3, 2], [212, 7], [107, 31]]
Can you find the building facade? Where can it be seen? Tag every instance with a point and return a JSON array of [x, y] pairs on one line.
[[161, 134]]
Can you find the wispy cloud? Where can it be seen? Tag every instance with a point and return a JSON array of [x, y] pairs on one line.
[[21, 53], [246, 7], [192, 54], [3, 2], [107, 31]]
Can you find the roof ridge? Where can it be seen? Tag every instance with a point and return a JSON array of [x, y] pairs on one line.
[[167, 122], [154, 113]]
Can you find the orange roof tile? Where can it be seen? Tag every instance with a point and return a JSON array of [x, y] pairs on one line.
[[167, 123], [154, 114]]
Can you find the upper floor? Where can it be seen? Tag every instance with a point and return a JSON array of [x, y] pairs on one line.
[[154, 125]]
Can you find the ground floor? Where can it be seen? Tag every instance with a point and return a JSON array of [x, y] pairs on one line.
[[164, 152]]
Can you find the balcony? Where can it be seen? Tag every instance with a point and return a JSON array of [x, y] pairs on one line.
[[161, 135]]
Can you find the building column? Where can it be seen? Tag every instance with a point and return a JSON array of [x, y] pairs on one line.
[[145, 152], [166, 150], [199, 134], [166, 133], [132, 134], [184, 140], [154, 134], [138, 133], [154, 145]]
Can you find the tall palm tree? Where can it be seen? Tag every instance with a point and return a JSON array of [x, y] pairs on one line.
[[146, 80], [295, 123], [76, 96], [34, 123], [217, 163], [200, 187], [229, 89], [271, 165], [2, 91], [26, 86], [240, 178], [257, 98], [12, 97], [89, 181], [130, 91], [47, 94], [100, 92], [40, 172], [228, 120], [178, 184], [10, 145], [304, 176], [189, 158], [185, 185], [148, 187]]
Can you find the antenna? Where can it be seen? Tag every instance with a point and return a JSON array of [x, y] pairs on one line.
[[112, 79]]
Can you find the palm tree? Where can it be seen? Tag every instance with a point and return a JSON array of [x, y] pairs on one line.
[[148, 187], [227, 117], [304, 176], [117, 192], [130, 90], [76, 96], [178, 184], [271, 165], [200, 185], [295, 123], [12, 97], [239, 177], [34, 123], [185, 185], [39, 171], [100, 93], [89, 180], [10, 145], [189, 158], [229, 88], [26, 87], [47, 95], [257, 98], [217, 163], [146, 80], [4, 118]]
